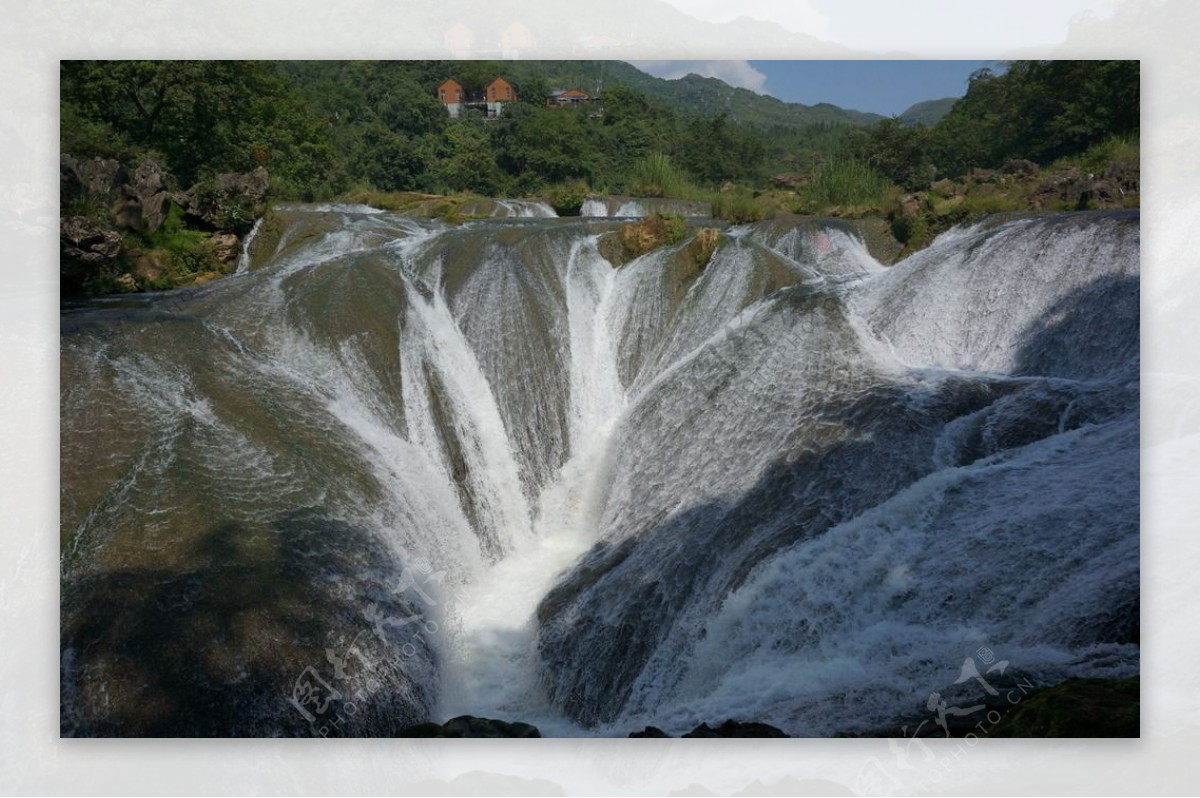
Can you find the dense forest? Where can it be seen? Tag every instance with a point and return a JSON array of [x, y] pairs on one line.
[[325, 127]]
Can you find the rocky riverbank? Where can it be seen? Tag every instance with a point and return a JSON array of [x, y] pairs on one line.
[[1073, 708], [125, 229]]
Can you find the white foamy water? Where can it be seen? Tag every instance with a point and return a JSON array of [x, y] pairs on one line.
[[593, 207], [786, 484], [243, 264]]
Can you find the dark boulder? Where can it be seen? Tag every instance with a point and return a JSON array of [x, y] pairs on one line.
[[102, 176], [1099, 193], [88, 249], [230, 201], [70, 180], [733, 728], [649, 731], [127, 209], [226, 248], [149, 179], [155, 209], [471, 726], [88, 241], [153, 189]]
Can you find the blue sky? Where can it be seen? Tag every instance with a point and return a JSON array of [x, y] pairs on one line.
[[882, 87]]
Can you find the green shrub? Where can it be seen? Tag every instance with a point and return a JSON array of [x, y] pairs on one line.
[[567, 198], [1121, 152], [236, 215], [190, 250], [910, 230]]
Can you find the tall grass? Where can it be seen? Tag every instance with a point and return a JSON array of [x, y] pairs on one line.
[[656, 176], [738, 207], [844, 182]]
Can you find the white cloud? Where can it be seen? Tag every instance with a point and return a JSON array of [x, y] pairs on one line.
[[735, 73]]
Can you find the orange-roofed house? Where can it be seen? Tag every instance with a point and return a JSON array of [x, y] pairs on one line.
[[451, 95], [497, 93], [569, 97]]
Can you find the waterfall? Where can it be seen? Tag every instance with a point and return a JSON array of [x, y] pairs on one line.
[[593, 206], [524, 209], [490, 471], [630, 208], [243, 264]]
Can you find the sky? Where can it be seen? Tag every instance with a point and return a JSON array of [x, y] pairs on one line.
[[870, 28], [946, 28], [881, 87]]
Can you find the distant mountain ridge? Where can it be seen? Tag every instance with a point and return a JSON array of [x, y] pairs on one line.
[[705, 96], [710, 96]]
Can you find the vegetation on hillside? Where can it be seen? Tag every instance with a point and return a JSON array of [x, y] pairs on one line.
[[1041, 134]]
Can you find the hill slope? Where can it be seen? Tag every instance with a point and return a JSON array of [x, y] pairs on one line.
[[927, 112]]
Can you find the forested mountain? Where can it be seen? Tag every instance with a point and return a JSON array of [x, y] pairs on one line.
[[324, 127]]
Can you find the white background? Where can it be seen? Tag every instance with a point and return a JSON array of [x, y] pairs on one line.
[[36, 35]]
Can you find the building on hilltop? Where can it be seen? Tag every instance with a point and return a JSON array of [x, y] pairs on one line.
[[491, 101], [496, 94], [560, 98]]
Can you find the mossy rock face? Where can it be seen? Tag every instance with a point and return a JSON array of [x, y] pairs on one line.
[[1077, 708], [610, 248]]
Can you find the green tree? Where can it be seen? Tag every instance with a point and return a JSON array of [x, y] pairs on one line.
[[389, 161], [899, 152], [543, 145], [465, 161], [1039, 110]]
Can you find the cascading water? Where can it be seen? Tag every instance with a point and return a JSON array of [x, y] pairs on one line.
[[430, 470], [593, 206]]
